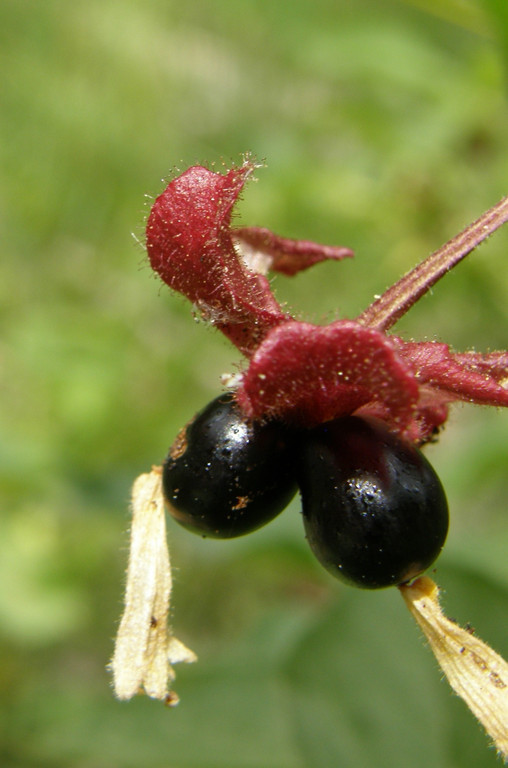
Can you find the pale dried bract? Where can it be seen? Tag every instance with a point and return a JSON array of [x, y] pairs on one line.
[[145, 648], [475, 672]]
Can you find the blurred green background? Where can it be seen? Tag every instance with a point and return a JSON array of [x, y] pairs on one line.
[[384, 127]]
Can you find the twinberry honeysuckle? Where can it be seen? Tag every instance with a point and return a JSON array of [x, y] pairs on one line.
[[304, 374]]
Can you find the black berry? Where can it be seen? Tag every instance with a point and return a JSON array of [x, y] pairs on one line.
[[375, 512], [225, 475]]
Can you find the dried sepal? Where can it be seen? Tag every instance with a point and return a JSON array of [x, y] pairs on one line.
[[145, 649], [475, 672]]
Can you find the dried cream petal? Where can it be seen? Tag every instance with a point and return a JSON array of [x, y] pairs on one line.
[[144, 648], [474, 671]]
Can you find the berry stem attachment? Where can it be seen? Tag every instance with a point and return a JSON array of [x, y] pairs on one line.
[[145, 649], [475, 672], [383, 313]]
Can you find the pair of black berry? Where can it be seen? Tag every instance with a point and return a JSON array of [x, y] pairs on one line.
[[374, 510]]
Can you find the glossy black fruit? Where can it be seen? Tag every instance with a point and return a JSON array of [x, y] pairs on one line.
[[375, 512], [226, 476]]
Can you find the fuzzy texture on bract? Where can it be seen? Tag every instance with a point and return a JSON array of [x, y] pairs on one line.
[[303, 373]]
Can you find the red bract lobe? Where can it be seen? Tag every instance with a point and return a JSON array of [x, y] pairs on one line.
[[190, 245], [303, 373]]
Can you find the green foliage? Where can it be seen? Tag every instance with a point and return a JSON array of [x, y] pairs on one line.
[[384, 127]]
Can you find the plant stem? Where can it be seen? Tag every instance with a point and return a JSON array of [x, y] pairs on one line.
[[383, 313]]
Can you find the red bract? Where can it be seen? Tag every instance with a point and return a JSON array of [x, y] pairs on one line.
[[303, 373], [221, 270], [190, 245]]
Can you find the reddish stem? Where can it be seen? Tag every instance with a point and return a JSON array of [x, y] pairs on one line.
[[383, 313]]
